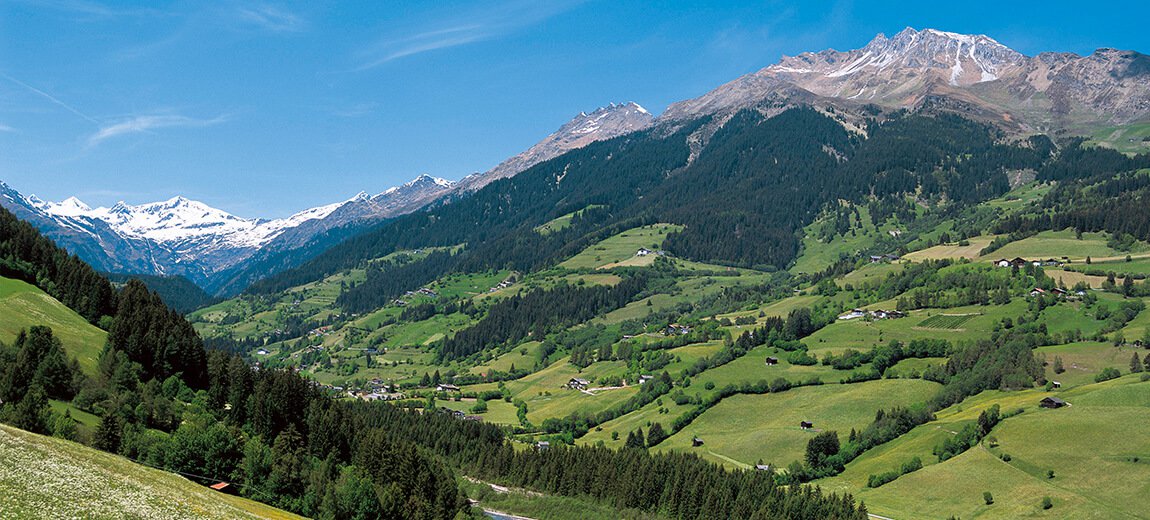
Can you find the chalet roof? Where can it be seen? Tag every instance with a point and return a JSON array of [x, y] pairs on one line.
[[220, 486], [1053, 400]]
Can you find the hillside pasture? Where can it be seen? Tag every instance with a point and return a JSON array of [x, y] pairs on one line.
[[744, 429], [23, 305], [1091, 446], [620, 247], [1057, 244], [954, 250]]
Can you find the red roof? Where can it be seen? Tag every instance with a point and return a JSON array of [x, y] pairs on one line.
[[220, 486]]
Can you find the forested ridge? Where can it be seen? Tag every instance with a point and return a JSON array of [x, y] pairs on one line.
[[728, 198], [178, 292], [1097, 189]]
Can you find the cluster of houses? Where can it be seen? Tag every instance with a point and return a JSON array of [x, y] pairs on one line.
[[675, 329], [425, 291], [878, 314], [884, 259], [320, 331], [460, 415], [378, 392], [1022, 262], [502, 285], [578, 383], [444, 387], [1038, 291]]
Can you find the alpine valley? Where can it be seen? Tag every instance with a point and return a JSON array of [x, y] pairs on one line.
[[902, 281]]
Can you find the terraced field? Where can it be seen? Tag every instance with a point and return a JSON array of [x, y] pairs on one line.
[[946, 321]]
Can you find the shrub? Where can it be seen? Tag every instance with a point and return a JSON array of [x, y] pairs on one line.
[[1107, 374], [1047, 503], [987, 497]]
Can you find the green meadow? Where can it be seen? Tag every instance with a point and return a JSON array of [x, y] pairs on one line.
[[23, 305]]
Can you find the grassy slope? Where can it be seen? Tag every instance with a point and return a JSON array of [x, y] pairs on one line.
[[43, 477], [23, 305], [620, 247], [743, 429], [1090, 446]]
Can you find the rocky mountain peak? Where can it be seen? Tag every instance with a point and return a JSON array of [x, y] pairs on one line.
[[978, 75], [606, 122]]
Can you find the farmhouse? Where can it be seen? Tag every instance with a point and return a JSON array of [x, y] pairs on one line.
[[806, 425], [856, 313], [772, 361], [446, 388], [542, 445], [887, 315], [675, 328], [1055, 384], [696, 442], [763, 467], [1051, 402], [644, 252], [875, 259], [644, 378], [1037, 291], [578, 384], [1002, 262]]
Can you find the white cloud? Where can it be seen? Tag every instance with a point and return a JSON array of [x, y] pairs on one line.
[[6, 128], [272, 18], [148, 123], [460, 29], [51, 98]]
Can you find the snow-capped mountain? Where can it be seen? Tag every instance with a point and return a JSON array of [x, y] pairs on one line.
[[185, 237], [970, 73], [224, 253], [606, 122]]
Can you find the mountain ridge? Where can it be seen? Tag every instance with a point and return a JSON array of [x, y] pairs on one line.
[[1048, 91], [974, 76], [220, 251]]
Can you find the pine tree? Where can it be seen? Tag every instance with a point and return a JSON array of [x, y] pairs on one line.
[[108, 433], [1135, 364], [31, 413], [655, 435]]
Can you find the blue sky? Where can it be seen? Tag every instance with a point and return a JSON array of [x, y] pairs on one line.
[[267, 108]]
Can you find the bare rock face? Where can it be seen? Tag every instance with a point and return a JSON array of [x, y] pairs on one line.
[[1051, 90], [604, 123]]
